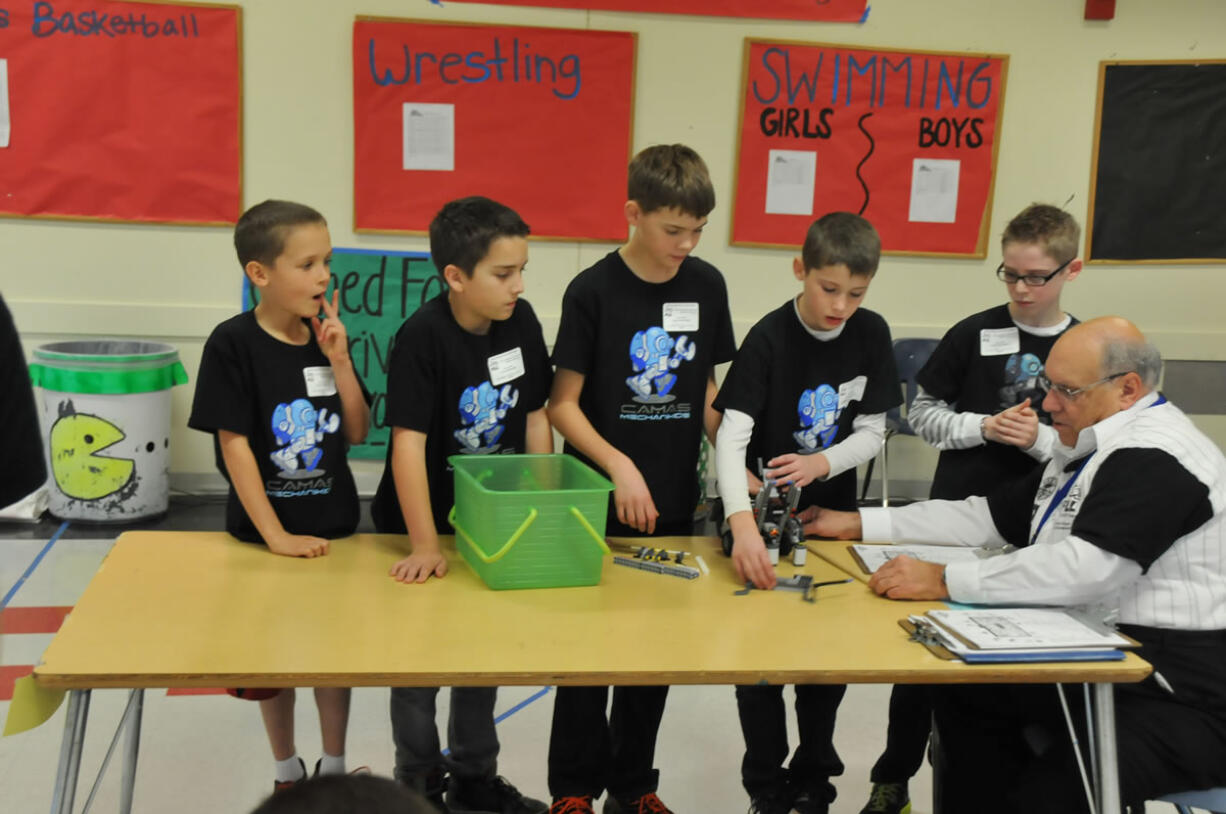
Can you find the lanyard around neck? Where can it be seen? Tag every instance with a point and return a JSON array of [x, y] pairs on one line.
[[1062, 493], [1059, 497]]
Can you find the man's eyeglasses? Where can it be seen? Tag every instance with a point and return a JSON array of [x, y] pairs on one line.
[[1070, 393], [1031, 280]]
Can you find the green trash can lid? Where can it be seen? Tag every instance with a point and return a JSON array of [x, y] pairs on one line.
[[106, 367]]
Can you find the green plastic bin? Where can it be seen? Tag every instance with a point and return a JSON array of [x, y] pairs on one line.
[[530, 521]]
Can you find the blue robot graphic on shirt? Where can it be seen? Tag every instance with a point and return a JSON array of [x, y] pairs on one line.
[[1022, 371], [482, 409], [300, 429], [819, 418], [655, 354]]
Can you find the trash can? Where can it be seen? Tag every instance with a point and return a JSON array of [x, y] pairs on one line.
[[105, 415]]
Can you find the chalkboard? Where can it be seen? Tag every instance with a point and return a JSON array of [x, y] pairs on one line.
[[908, 139], [121, 111], [1158, 191], [536, 118]]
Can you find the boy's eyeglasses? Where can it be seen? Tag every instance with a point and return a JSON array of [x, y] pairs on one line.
[[1031, 280], [1070, 393]]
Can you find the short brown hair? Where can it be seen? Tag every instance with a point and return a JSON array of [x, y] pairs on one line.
[[1047, 226], [261, 231], [842, 238], [671, 176]]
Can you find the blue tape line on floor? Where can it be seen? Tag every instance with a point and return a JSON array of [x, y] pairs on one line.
[[536, 696], [8, 597]]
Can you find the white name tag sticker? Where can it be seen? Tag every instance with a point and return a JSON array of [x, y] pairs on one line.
[[320, 381], [680, 316], [852, 390], [506, 366], [999, 341]]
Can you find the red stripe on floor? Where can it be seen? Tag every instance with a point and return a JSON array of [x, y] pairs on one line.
[[194, 691], [9, 673], [32, 619]]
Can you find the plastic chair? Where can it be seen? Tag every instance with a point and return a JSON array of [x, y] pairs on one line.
[[909, 355], [1213, 800]]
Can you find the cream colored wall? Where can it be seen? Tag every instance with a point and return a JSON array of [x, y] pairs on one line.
[[76, 280]]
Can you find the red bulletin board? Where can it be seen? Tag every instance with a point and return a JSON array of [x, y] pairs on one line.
[[122, 111], [539, 119], [906, 138], [840, 11]]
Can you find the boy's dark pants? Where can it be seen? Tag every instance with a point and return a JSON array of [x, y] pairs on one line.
[[764, 725], [471, 738], [589, 753], [907, 735]]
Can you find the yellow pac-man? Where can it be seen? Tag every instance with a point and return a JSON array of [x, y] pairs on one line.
[[78, 470]]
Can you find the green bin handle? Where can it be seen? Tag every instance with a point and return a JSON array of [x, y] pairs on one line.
[[514, 538]]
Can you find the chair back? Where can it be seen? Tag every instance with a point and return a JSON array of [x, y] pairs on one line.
[[910, 354]]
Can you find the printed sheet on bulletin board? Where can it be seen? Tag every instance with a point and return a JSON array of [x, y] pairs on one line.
[[537, 118], [121, 111], [837, 11], [378, 292], [908, 139]]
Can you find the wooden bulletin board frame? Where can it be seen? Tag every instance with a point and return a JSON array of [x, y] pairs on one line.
[[123, 111], [882, 122], [542, 121], [837, 11], [1158, 169]]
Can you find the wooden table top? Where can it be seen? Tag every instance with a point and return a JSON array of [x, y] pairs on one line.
[[200, 609]]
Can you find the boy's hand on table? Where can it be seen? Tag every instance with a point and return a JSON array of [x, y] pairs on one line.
[[298, 545], [330, 333], [835, 525], [419, 566], [635, 508], [749, 555], [798, 470], [1017, 426]]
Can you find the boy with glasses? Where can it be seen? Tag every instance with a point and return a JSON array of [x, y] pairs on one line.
[[979, 402]]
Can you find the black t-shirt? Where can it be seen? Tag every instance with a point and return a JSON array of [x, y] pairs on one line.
[[283, 398], [804, 393], [469, 393], [960, 374], [21, 449], [646, 351]]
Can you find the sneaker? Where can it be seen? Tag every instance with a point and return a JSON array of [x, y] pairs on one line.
[[806, 803], [358, 770], [768, 804], [494, 795], [282, 785], [888, 798], [572, 805], [429, 786], [649, 803]]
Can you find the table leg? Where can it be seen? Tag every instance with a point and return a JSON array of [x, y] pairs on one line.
[[65, 791], [1108, 757], [136, 704]]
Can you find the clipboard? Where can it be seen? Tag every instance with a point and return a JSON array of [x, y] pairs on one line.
[[936, 648]]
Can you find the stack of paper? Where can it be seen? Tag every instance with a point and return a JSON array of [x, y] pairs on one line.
[[1020, 634], [872, 556]]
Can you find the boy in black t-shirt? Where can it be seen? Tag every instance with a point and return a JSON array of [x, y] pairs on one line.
[[979, 402], [469, 374], [807, 395], [640, 335], [279, 392]]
